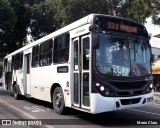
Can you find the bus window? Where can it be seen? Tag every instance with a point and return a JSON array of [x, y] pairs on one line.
[[5, 65], [35, 53], [86, 53], [45, 55], [76, 55], [9, 66], [18, 61], [13, 63], [61, 49]]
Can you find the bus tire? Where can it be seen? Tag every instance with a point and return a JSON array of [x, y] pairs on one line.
[[16, 93], [58, 101]]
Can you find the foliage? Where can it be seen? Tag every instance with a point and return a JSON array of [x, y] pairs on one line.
[[7, 22], [139, 10], [15, 19], [18, 18], [71, 10], [42, 19], [67, 11], [156, 12]]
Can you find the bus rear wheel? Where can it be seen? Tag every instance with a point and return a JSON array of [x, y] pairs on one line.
[[16, 92], [58, 101]]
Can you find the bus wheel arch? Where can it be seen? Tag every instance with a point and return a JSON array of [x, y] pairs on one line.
[[58, 99], [54, 86]]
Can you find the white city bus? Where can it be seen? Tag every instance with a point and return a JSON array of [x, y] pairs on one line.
[[97, 64]]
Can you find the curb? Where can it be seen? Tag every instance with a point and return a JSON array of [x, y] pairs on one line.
[[156, 98], [157, 93]]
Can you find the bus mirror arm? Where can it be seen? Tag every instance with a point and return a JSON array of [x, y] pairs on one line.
[[95, 40], [152, 58], [95, 36]]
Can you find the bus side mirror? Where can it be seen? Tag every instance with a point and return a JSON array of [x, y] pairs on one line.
[[152, 58]]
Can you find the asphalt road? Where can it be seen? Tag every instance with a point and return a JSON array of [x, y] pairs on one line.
[[42, 112]]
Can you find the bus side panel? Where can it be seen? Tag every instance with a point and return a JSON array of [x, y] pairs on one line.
[[42, 79]]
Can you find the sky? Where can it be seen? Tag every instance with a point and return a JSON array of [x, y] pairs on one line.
[[153, 30]]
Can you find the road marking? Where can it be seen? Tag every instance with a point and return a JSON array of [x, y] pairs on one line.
[[36, 108], [26, 114], [145, 112]]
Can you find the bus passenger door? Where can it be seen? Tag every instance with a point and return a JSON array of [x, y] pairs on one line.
[[85, 71], [27, 59], [76, 77], [8, 74], [81, 72]]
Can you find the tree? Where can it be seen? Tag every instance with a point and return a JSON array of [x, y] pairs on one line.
[[42, 19], [70, 10], [18, 36], [155, 12], [15, 17], [14, 22], [128, 10], [139, 10], [7, 22]]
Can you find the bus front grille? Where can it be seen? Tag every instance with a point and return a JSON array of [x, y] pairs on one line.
[[130, 101], [129, 93], [129, 88], [128, 85]]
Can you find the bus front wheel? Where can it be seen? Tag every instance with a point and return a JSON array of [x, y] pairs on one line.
[[58, 101]]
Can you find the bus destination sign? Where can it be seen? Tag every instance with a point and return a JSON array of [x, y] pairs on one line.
[[121, 27]]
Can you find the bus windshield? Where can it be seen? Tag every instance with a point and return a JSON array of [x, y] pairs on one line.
[[123, 56]]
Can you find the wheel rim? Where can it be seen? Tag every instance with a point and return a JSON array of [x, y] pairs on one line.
[[58, 100]]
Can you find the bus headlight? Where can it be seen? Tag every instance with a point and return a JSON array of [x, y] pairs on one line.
[[151, 85], [149, 89], [103, 90], [97, 84]]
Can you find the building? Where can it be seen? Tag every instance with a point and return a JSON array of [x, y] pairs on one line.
[[155, 43]]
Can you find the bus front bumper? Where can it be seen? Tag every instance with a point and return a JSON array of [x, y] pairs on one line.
[[101, 104]]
